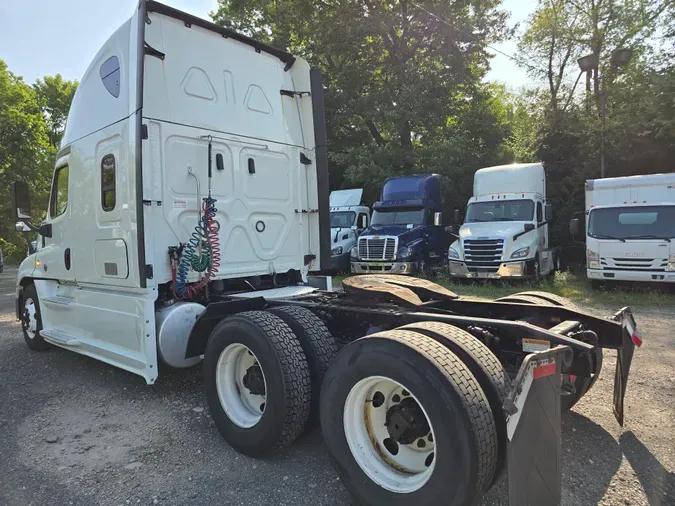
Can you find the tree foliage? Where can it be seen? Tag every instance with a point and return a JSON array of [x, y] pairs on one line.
[[640, 109], [402, 83], [32, 119]]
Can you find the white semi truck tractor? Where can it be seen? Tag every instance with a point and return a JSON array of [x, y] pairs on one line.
[[506, 228], [189, 210], [348, 219], [629, 228]]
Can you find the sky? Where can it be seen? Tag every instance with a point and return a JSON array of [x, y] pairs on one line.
[[47, 37]]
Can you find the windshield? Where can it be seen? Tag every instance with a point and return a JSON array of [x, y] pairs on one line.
[[645, 222], [504, 210], [342, 219], [398, 217]]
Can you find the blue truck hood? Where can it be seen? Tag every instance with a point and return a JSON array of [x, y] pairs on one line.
[[405, 235]]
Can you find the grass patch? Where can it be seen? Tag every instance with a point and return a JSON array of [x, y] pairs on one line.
[[568, 284]]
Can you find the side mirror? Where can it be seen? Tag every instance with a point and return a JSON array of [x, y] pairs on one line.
[[457, 217], [438, 219], [22, 227], [364, 221], [19, 196], [450, 229], [529, 227], [548, 212], [575, 227], [354, 227]]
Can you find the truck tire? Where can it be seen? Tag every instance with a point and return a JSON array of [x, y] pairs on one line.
[[374, 384], [31, 320], [524, 299], [486, 368], [318, 344], [554, 299], [257, 382], [581, 384]]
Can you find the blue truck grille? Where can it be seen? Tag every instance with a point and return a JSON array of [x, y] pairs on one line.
[[483, 255], [377, 248]]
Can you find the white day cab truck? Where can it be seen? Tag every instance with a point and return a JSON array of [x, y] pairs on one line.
[[505, 230], [348, 218], [629, 229], [190, 207]]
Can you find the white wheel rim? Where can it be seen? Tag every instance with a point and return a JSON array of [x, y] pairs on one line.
[[241, 406], [31, 324], [365, 415]]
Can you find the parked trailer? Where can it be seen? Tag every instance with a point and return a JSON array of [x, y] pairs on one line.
[[189, 207]]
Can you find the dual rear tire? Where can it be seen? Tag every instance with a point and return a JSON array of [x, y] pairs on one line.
[[407, 415], [406, 419], [581, 384], [262, 374]]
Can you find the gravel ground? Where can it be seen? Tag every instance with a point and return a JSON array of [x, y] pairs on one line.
[[76, 431]]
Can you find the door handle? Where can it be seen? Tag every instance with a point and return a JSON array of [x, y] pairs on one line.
[[66, 258]]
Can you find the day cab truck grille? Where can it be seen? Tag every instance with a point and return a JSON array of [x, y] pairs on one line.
[[483, 255], [380, 248], [634, 264]]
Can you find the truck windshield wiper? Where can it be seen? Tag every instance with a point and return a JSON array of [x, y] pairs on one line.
[[649, 236], [601, 236]]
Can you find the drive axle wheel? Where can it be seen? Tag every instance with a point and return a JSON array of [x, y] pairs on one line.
[[382, 415], [405, 422], [257, 382]]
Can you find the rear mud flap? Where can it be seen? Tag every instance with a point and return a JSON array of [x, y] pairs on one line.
[[533, 429], [624, 358]]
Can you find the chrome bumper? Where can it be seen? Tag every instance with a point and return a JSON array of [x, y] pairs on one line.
[[359, 267], [514, 270]]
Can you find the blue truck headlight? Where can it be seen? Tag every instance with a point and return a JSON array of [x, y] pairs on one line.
[[354, 253], [453, 253], [405, 252], [521, 253], [336, 251]]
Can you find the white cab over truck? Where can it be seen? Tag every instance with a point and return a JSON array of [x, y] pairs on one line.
[[348, 218], [189, 206], [505, 231], [630, 228]]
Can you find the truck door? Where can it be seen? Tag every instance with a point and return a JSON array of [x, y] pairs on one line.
[[542, 227], [55, 257]]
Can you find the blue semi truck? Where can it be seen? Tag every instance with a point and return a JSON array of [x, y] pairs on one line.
[[406, 233]]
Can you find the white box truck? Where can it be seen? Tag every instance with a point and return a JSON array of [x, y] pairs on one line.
[[505, 230], [348, 218], [629, 227], [189, 205]]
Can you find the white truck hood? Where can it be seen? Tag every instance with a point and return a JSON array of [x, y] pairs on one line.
[[501, 229], [505, 229]]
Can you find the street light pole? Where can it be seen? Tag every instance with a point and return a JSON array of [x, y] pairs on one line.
[[603, 118], [589, 63]]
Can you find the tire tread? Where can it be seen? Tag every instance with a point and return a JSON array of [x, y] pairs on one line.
[[294, 368], [470, 392]]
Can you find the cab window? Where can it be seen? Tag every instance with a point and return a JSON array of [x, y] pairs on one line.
[[59, 201], [359, 223], [540, 214]]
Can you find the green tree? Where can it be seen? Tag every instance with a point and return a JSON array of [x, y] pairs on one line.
[[31, 124], [401, 82], [640, 108], [54, 97]]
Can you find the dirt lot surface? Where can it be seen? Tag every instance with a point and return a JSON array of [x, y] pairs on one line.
[[76, 431]]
